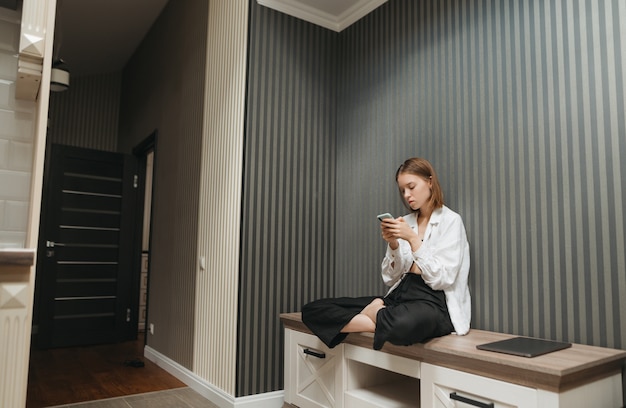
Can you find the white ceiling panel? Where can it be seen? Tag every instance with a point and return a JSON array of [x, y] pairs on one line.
[[332, 14]]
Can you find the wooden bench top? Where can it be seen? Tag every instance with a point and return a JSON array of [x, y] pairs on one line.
[[557, 371]]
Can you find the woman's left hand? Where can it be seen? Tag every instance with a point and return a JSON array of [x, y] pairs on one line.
[[402, 230], [399, 229]]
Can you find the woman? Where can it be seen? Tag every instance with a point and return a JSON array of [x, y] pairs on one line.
[[426, 265]]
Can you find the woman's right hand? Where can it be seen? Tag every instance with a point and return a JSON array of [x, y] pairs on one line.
[[386, 226]]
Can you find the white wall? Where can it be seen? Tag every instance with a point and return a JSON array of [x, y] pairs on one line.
[[17, 130], [22, 146]]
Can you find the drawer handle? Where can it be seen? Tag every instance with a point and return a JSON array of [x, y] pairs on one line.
[[315, 353], [457, 397]]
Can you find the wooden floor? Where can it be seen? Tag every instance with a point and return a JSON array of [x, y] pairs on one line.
[[77, 374]]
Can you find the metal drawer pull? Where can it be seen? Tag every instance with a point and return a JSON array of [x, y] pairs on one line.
[[315, 353], [456, 397]]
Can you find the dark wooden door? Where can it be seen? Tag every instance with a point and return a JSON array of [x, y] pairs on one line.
[[85, 262]]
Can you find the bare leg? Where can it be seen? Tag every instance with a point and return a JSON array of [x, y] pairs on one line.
[[372, 309], [359, 323], [366, 320]]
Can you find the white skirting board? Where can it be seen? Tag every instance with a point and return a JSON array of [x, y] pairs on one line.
[[209, 391]]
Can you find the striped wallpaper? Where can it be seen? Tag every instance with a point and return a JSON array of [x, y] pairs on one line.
[[288, 222], [167, 95], [520, 107], [87, 114], [216, 326]]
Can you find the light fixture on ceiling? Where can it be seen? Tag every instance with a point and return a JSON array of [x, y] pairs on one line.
[[60, 76]]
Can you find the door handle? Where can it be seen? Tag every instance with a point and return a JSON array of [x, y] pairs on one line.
[[313, 353], [460, 398]]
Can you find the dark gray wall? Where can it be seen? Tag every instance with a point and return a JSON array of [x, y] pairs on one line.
[[163, 90], [288, 221], [87, 114], [518, 104]]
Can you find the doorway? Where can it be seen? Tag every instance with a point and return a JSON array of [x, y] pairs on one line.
[[145, 153], [85, 275], [94, 247], [125, 353]]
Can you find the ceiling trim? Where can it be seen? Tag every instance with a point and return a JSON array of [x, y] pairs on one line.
[[295, 8]]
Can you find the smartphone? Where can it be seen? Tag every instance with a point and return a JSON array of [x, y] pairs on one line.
[[384, 216]]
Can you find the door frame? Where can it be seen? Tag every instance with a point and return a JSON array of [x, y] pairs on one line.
[[140, 151]]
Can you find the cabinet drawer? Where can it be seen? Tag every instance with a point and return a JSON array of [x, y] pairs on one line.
[[313, 372], [442, 387]]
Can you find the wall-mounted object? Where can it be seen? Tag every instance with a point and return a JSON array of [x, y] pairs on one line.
[[59, 76]]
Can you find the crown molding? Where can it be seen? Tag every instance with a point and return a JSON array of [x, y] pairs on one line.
[[323, 15]]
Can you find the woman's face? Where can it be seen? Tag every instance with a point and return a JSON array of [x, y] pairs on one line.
[[414, 189]]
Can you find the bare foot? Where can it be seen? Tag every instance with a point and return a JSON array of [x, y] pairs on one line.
[[372, 309]]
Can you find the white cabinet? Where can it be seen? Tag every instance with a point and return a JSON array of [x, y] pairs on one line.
[[313, 373], [380, 380], [445, 372], [444, 388], [347, 376]]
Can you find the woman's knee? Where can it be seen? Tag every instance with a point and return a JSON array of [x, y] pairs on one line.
[[407, 328]]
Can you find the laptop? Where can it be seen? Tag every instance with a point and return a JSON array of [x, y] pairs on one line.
[[524, 346]]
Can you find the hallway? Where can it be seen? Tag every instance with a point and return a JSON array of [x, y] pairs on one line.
[[77, 374]]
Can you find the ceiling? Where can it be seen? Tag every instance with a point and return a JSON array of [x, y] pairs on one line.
[[332, 14], [10, 4], [100, 36]]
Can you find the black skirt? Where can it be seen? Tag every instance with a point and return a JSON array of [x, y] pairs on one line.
[[413, 313]]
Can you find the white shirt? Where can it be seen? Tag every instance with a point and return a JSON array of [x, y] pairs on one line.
[[444, 260]]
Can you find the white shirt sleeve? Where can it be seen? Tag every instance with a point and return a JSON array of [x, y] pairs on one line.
[[442, 254], [396, 263]]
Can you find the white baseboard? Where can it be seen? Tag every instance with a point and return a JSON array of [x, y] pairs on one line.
[[266, 400], [209, 391]]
